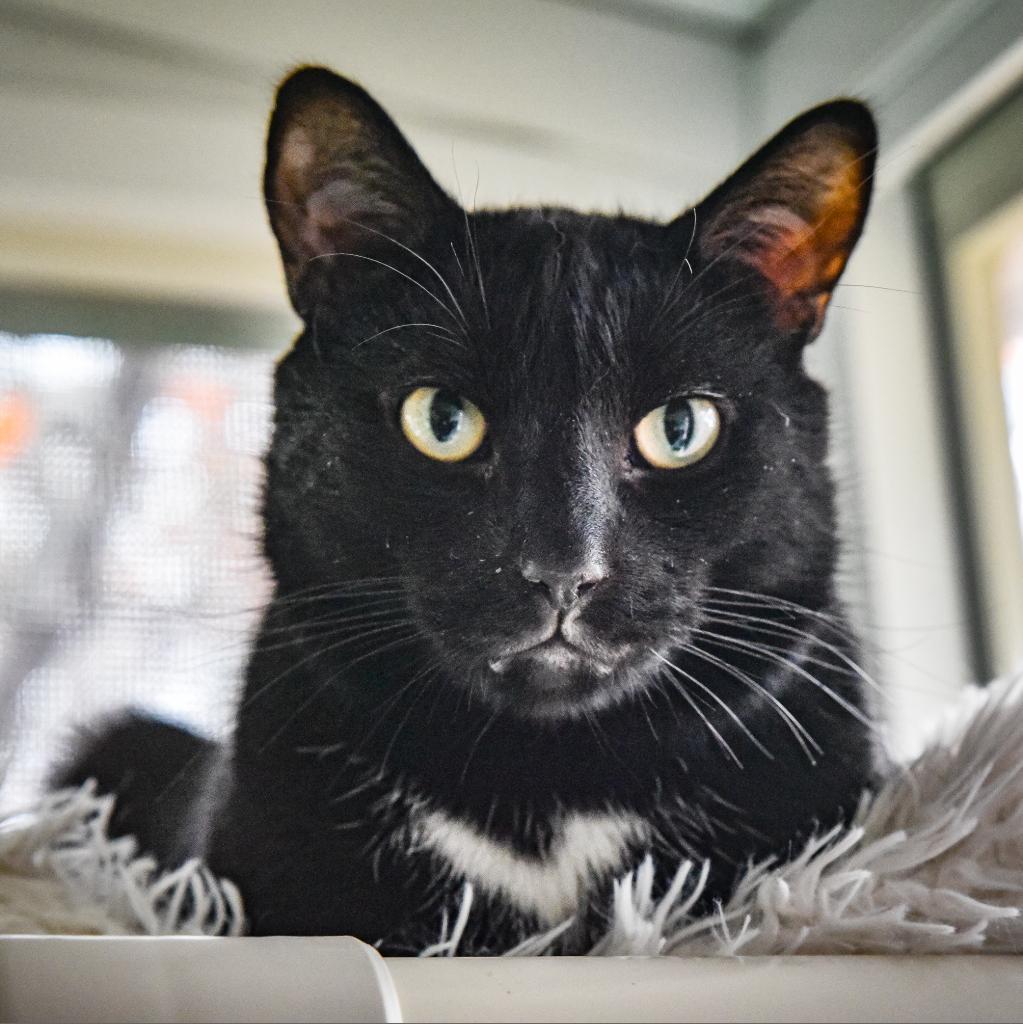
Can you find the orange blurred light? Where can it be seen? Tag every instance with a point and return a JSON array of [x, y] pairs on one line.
[[16, 422]]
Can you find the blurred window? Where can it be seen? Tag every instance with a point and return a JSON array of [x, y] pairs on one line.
[[971, 200], [129, 562]]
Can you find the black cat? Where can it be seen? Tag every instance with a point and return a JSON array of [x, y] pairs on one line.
[[554, 546]]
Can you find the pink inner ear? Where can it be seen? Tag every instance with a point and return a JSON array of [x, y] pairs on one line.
[[323, 208], [337, 211], [295, 160], [802, 259], [795, 221]]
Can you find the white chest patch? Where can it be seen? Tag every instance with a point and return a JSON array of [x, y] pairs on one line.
[[584, 846]]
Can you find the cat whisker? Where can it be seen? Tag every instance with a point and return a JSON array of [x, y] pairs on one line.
[[331, 635], [471, 240], [721, 741], [338, 610], [310, 632], [426, 677], [599, 733], [782, 642], [401, 245], [399, 327], [422, 259], [350, 583], [694, 317], [717, 699], [417, 635], [307, 628], [458, 261], [444, 337], [319, 652], [595, 728], [364, 599], [390, 645], [708, 299], [765, 654], [836, 622], [798, 730], [475, 744], [832, 623], [671, 294], [781, 630], [645, 696], [297, 635], [341, 587], [387, 266], [669, 703]]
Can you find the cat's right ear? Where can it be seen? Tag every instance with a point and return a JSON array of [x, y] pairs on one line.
[[341, 184], [793, 212]]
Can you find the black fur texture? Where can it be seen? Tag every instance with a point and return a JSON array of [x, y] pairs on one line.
[[704, 681]]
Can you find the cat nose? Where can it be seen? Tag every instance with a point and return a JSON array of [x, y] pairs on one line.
[[563, 588]]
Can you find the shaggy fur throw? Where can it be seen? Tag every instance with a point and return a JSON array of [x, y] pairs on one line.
[[933, 863]]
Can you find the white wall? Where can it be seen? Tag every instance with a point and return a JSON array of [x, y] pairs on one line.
[[132, 152]]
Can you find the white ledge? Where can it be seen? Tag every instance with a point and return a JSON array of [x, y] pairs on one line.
[[341, 979]]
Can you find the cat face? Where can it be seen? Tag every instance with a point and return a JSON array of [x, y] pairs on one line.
[[559, 435]]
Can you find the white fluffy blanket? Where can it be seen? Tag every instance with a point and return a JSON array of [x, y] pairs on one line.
[[932, 864]]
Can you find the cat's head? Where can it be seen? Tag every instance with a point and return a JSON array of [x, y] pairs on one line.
[[557, 436]]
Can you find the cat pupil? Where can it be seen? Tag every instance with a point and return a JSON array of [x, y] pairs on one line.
[[678, 424], [445, 415]]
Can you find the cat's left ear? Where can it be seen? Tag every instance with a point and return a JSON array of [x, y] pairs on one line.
[[794, 211], [340, 178]]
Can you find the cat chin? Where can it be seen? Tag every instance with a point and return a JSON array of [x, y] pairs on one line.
[[554, 658], [553, 684]]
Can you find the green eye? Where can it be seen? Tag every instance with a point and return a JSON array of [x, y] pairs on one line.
[[679, 433], [441, 424]]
